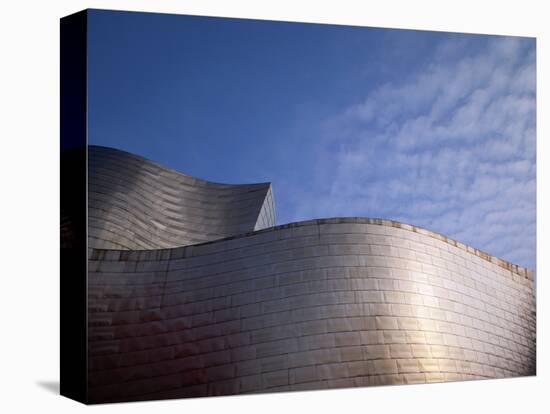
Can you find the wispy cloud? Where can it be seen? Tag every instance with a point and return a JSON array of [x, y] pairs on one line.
[[450, 148]]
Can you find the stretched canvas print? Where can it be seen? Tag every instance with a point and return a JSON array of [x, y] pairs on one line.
[[256, 206]]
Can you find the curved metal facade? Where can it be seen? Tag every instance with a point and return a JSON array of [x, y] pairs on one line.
[[135, 204], [310, 305]]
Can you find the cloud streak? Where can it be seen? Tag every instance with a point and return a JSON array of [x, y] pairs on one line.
[[450, 148]]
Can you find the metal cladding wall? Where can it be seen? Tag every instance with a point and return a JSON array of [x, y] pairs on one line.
[[311, 305], [135, 204]]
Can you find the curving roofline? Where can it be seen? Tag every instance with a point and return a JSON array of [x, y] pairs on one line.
[[139, 204], [174, 171], [516, 269]]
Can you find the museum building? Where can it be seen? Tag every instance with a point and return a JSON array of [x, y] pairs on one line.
[[194, 291]]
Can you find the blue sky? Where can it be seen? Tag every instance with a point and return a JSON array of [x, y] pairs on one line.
[[428, 128]]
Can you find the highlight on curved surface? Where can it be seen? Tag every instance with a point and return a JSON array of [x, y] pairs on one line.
[[310, 305], [134, 204]]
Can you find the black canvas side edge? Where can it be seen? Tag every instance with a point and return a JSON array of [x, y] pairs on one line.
[[73, 231]]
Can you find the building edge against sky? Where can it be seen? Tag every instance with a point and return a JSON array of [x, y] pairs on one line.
[[310, 305], [137, 204]]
